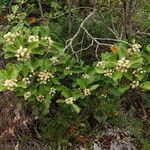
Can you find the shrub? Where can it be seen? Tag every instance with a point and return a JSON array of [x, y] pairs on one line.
[[43, 74]]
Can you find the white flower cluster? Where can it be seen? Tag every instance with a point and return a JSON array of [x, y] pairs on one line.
[[54, 59], [26, 80], [44, 77], [23, 54], [33, 38], [87, 92], [10, 37], [135, 48], [27, 95], [101, 64], [52, 91], [40, 98], [67, 68], [134, 84], [138, 71], [10, 84], [85, 76], [50, 41], [70, 100], [108, 73], [104, 95], [123, 65]]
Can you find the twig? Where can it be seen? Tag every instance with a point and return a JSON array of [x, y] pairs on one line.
[[69, 42], [41, 10]]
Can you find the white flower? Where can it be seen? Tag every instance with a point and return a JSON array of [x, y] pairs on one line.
[[27, 95], [108, 73], [134, 48], [50, 41], [33, 38], [101, 64], [26, 80], [44, 77], [104, 95], [134, 84], [85, 76], [10, 84], [123, 65], [23, 54], [40, 98], [54, 59], [10, 37], [138, 71], [87, 92], [70, 100], [52, 91]]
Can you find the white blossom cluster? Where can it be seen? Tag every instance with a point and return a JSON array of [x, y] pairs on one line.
[[123, 65], [108, 73], [101, 64], [33, 38], [104, 95], [85, 76], [26, 80], [135, 48], [40, 98], [44, 77], [50, 41], [87, 92], [27, 95], [134, 84], [70, 100], [54, 59], [138, 71], [23, 54], [13, 17], [10, 84], [67, 68], [10, 37], [52, 91]]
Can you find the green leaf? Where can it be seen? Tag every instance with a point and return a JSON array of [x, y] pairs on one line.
[[109, 59], [22, 84], [115, 92], [19, 41], [64, 91], [82, 83], [123, 88], [148, 48], [76, 108], [145, 85], [128, 75], [140, 76], [38, 50], [44, 30], [33, 45], [94, 87], [55, 81], [99, 70], [136, 61], [122, 51], [2, 88], [15, 8], [117, 75], [10, 48], [3, 75], [36, 30], [59, 47], [9, 55]]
